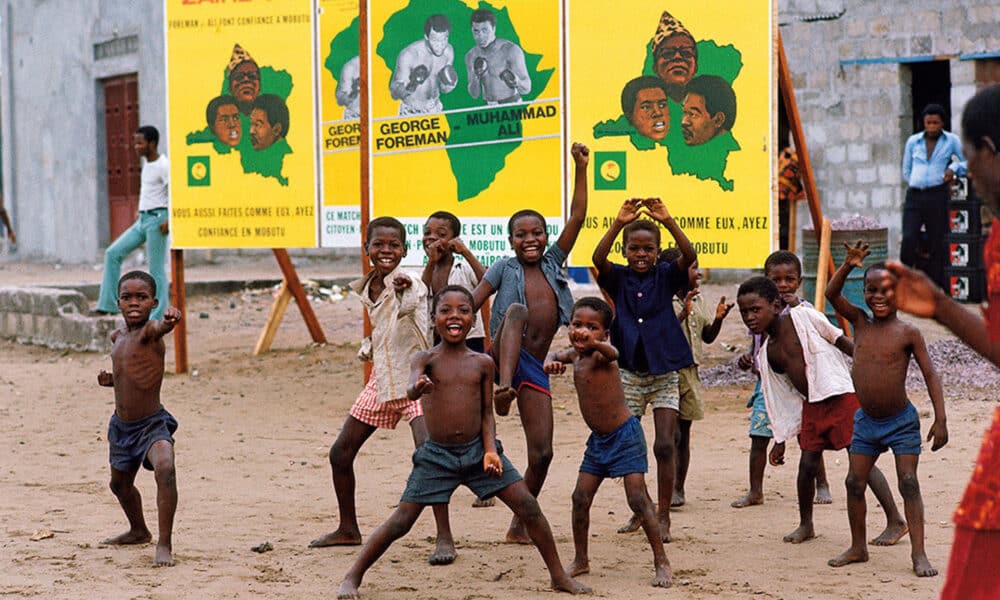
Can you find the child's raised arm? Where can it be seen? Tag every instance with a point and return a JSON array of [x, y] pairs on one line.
[[855, 256], [708, 334], [939, 430], [605, 349], [626, 214], [155, 330], [658, 210], [578, 208], [459, 247]]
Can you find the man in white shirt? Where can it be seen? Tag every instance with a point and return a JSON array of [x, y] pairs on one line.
[[150, 228]]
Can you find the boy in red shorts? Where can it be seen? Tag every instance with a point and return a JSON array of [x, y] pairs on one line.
[[807, 390]]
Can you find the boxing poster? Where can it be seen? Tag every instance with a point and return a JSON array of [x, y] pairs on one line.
[[677, 100], [340, 129], [466, 115], [241, 124]]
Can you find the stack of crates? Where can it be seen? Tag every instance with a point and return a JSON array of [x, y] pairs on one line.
[[964, 270]]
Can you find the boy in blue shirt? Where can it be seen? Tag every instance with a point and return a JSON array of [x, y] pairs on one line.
[[646, 330]]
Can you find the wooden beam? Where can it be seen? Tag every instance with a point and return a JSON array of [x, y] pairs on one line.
[[179, 301], [273, 320], [819, 301], [299, 293], [365, 150]]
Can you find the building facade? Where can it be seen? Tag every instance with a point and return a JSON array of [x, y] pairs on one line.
[[76, 74]]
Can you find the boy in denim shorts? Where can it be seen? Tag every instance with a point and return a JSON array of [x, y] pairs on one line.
[[646, 330]]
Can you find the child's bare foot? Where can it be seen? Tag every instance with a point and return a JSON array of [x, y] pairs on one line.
[[132, 536], [568, 584], [337, 538], [748, 500], [922, 567], [517, 534], [851, 555], [578, 567], [444, 553], [633, 524], [480, 503], [823, 494], [892, 534], [503, 397], [665, 529], [163, 558], [677, 499], [664, 576], [800, 535], [348, 589]]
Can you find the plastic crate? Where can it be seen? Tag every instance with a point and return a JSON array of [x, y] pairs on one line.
[[965, 251], [965, 218], [966, 285]]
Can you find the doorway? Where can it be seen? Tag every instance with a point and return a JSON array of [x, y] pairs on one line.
[[121, 119]]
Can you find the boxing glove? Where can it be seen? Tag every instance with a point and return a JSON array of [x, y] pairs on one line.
[[480, 66], [448, 76], [418, 75], [508, 77]]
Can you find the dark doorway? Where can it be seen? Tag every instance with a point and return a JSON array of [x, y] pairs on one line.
[[121, 119], [930, 83]]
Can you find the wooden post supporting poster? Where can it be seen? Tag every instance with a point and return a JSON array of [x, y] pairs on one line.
[[365, 149], [179, 301]]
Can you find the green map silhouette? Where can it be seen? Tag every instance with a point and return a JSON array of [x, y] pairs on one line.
[[475, 166], [706, 161], [269, 161]]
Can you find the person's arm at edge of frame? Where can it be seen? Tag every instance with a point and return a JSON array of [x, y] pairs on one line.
[[917, 295], [578, 207], [939, 430], [908, 159]]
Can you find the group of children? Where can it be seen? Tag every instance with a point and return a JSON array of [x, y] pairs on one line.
[[431, 366]]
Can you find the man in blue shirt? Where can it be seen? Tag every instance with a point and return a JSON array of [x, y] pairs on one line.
[[926, 168]]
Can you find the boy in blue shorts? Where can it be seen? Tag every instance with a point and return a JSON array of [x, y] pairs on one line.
[[455, 385], [617, 446], [532, 300], [646, 330], [886, 418]]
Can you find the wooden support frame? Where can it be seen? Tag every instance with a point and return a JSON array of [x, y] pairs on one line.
[[805, 164], [179, 300]]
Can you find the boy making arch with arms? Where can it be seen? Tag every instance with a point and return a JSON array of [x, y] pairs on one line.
[[532, 300], [646, 330], [882, 350]]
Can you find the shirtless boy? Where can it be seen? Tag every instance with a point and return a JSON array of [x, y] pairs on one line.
[[495, 66], [424, 70], [882, 350], [141, 430], [532, 300], [455, 386], [616, 447], [808, 391]]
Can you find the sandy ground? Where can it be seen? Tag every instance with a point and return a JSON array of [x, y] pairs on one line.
[[252, 467]]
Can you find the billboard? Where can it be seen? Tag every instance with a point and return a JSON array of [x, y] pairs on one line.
[[241, 124], [466, 115], [675, 101]]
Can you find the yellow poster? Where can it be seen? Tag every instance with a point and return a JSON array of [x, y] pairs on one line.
[[675, 100], [466, 115], [340, 97], [240, 95]]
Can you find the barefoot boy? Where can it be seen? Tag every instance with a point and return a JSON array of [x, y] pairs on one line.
[[141, 430], [808, 391], [616, 447], [886, 419], [646, 330], [532, 300], [785, 270], [698, 329], [397, 305], [456, 385]]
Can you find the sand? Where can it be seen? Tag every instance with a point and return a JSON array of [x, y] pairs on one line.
[[252, 468]]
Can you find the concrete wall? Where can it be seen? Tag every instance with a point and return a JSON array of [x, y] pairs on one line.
[[857, 115], [54, 159]]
